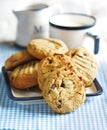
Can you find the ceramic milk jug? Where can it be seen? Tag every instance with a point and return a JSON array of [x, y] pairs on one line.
[[33, 22]]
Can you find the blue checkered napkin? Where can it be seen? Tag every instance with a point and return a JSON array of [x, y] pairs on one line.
[[90, 116]]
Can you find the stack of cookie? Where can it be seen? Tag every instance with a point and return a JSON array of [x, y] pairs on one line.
[[61, 86], [23, 64], [61, 74]]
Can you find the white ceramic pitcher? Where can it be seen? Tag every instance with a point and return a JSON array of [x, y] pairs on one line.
[[33, 22]]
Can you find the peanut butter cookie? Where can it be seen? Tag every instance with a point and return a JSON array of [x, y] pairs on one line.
[[17, 59], [64, 91], [24, 76], [51, 63], [41, 48], [86, 63]]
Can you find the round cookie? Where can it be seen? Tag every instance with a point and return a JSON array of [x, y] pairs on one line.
[[64, 91], [17, 59], [24, 76], [86, 63], [51, 63], [41, 48]]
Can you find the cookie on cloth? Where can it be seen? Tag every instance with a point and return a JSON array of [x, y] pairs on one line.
[[64, 91], [85, 62], [18, 58], [24, 76], [51, 63], [41, 48]]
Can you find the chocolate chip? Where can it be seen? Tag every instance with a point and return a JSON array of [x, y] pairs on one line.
[[59, 103], [80, 78], [59, 106], [53, 86], [50, 61], [62, 85], [73, 55], [51, 70], [49, 91], [79, 93], [71, 73], [85, 54]]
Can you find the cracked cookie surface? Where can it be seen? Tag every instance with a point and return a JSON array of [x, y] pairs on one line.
[[41, 48], [64, 91], [51, 63]]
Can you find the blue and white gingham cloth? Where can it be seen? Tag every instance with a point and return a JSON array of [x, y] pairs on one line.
[[90, 116]]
